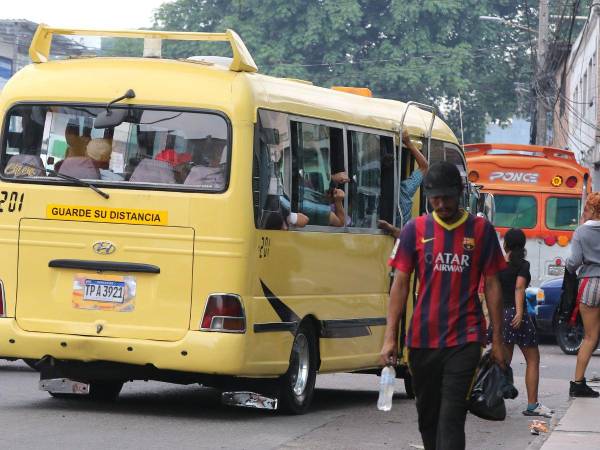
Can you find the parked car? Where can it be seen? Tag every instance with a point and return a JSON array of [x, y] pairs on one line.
[[547, 297]]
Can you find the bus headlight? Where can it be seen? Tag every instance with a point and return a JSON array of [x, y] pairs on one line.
[[556, 271]]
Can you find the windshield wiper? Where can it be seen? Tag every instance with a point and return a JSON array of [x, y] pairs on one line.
[[75, 180]]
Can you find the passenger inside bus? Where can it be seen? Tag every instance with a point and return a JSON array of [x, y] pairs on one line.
[[100, 152], [208, 164], [76, 144], [24, 166], [79, 167], [277, 213], [272, 164], [321, 199], [146, 168]]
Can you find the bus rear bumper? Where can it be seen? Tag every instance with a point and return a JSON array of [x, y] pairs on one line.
[[198, 352]]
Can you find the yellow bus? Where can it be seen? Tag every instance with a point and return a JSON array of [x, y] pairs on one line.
[[150, 222]]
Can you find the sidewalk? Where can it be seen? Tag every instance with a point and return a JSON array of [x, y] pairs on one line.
[[579, 428]]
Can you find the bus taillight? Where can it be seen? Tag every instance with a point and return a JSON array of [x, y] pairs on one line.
[[563, 240], [550, 240], [558, 262], [224, 312], [571, 182]]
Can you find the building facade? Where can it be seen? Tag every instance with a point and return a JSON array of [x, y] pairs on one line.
[[15, 37], [577, 110]]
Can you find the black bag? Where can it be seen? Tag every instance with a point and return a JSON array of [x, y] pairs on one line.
[[568, 297], [491, 387]]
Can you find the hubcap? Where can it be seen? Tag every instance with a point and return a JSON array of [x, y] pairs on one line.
[[300, 364], [572, 337]]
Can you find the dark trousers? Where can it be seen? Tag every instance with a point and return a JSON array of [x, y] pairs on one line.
[[442, 380]]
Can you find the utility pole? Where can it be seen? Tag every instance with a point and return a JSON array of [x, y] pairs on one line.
[[542, 48]]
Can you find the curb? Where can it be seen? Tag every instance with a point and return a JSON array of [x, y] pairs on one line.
[[579, 428]]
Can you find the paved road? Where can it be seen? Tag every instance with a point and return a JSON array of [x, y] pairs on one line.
[[157, 415]]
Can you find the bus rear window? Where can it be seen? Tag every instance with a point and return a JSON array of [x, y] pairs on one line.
[[151, 147], [562, 213], [515, 211]]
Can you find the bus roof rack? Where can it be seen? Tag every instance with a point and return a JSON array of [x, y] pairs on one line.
[[242, 61]]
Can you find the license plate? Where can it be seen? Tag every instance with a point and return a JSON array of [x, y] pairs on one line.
[[556, 271], [104, 291]]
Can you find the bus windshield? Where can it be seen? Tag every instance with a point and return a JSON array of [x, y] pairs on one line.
[[562, 213], [162, 148], [515, 211]]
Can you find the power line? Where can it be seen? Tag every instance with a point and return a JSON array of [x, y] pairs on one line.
[[443, 53]]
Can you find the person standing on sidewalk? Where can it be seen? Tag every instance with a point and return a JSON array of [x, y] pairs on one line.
[[517, 328], [450, 250], [585, 256]]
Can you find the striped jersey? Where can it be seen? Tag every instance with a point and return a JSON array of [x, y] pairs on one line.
[[449, 261]]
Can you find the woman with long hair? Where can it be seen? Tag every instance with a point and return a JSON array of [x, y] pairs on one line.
[[585, 256], [518, 328]]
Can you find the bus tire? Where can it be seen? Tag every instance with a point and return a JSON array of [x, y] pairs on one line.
[[297, 385], [100, 391], [569, 338]]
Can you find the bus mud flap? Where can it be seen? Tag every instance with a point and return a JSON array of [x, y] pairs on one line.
[[246, 399]]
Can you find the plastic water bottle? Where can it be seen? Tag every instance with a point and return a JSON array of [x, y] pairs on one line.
[[386, 388]]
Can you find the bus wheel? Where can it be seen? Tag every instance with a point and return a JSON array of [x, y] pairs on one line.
[[100, 391], [297, 386], [569, 337], [408, 385]]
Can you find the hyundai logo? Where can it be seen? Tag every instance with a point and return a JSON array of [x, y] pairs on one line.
[[104, 247]]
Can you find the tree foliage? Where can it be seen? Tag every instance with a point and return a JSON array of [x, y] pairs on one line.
[[432, 51]]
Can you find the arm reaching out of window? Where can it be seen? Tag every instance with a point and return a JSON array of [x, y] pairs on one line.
[[337, 217], [421, 160]]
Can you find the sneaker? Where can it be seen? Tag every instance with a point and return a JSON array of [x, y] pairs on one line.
[[582, 390], [540, 410]]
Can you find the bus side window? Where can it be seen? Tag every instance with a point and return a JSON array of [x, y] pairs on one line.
[[270, 173], [365, 155], [406, 169], [312, 147], [386, 200]]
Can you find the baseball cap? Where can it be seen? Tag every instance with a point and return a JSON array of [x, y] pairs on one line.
[[443, 179]]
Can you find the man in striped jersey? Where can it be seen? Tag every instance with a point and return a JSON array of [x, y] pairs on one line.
[[449, 250]]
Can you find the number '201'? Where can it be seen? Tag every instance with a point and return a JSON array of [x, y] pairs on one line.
[[11, 201]]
